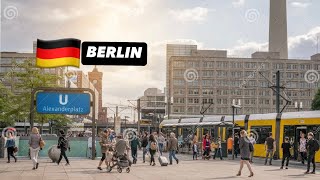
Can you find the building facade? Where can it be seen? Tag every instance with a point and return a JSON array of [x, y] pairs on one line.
[[95, 77], [152, 105], [10, 63], [210, 77]]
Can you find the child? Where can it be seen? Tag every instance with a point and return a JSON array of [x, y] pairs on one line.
[[195, 150], [286, 152]]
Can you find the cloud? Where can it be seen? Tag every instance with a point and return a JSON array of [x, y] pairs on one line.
[[238, 3], [197, 14], [300, 46], [300, 4]]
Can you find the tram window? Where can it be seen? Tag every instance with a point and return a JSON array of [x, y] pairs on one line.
[[262, 132]]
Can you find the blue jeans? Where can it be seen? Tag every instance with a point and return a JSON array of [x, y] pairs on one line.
[[219, 150], [160, 148], [172, 153], [144, 151]]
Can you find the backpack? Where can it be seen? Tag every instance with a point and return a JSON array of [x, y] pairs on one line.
[[153, 146], [250, 147], [63, 143], [316, 145]]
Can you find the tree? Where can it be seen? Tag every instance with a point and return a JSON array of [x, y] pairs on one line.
[[24, 82], [316, 101], [5, 106]]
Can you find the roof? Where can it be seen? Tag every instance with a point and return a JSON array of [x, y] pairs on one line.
[[263, 116], [169, 122], [212, 118], [189, 121], [236, 118], [301, 114]]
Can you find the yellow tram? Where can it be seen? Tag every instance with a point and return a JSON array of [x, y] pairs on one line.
[[288, 124]]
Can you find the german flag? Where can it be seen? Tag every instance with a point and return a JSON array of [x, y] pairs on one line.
[[56, 53]]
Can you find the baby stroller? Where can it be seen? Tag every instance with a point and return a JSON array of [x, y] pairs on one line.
[[119, 158]]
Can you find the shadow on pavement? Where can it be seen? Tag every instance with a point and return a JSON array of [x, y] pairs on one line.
[[224, 177], [274, 170]]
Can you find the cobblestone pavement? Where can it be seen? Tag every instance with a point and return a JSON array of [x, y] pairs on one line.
[[186, 169]]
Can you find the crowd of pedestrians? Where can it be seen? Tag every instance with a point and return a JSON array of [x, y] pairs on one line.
[[155, 143]]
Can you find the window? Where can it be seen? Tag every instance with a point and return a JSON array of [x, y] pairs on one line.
[[208, 64], [277, 66], [206, 82], [222, 64], [196, 100], [178, 82], [222, 74], [193, 91], [194, 83], [178, 92], [262, 132], [178, 73], [207, 73], [179, 64]]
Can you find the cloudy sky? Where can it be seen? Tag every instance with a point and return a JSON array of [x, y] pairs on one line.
[[240, 26]]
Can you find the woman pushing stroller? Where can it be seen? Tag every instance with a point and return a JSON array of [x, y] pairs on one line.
[[106, 144]]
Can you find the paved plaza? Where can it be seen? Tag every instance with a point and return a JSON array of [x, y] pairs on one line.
[[83, 169]]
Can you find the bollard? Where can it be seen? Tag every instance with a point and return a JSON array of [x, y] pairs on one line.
[[54, 153]]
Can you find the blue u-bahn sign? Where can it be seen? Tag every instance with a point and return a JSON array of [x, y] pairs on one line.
[[63, 103]]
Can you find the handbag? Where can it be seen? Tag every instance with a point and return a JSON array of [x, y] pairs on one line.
[[42, 143], [15, 150]]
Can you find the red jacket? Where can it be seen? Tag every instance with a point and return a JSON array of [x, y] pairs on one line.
[[204, 143]]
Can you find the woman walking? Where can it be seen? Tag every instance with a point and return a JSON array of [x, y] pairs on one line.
[[34, 143], [105, 143], [206, 147], [153, 149], [10, 144], [244, 152]]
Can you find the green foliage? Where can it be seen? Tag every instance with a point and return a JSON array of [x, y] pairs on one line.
[[316, 101], [5, 106], [27, 78]]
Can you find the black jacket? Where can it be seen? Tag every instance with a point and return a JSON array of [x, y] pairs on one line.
[[144, 142], [311, 146], [63, 143]]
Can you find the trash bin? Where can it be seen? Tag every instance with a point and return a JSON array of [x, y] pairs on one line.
[[224, 149], [2, 149]]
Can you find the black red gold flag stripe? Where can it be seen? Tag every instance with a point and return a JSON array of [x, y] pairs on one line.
[[56, 53]]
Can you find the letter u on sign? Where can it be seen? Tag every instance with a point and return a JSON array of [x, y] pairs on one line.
[[65, 99]]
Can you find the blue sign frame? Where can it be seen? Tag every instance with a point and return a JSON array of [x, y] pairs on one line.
[[63, 103]]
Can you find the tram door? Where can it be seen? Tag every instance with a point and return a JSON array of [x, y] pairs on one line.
[[296, 140]]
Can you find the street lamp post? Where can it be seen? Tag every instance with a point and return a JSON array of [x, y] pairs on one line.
[[234, 107], [298, 105]]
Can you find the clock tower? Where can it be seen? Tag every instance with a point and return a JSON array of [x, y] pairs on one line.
[[95, 77]]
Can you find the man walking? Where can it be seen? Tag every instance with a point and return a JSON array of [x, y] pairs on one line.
[[144, 145], [134, 148], [172, 148], [270, 146], [161, 141], [63, 145], [312, 147]]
